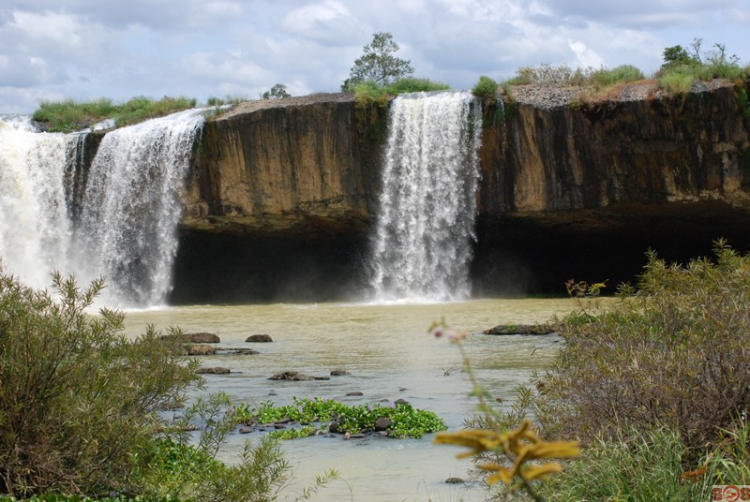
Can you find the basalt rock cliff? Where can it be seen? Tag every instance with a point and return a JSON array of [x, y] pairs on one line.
[[283, 192]]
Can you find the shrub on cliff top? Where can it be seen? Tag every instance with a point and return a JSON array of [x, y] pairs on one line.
[[604, 77], [486, 89], [410, 84]]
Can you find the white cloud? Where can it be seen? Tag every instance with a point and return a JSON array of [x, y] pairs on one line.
[[88, 48], [585, 57], [328, 22]]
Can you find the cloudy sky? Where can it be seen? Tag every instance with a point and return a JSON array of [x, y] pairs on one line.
[[85, 49]]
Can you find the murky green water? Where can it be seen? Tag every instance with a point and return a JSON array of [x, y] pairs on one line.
[[390, 355]]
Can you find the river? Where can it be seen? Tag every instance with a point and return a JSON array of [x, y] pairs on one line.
[[390, 355]]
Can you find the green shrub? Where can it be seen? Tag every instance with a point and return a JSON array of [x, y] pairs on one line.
[[407, 420], [409, 84], [632, 465], [70, 115], [486, 89], [142, 108], [678, 81], [604, 77], [682, 66], [673, 353], [369, 93], [81, 410], [77, 399]]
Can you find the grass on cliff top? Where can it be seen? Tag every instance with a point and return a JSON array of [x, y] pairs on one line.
[[673, 79], [370, 92], [71, 115]]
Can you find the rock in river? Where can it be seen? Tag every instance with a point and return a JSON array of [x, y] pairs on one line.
[[259, 339], [295, 376], [193, 338]]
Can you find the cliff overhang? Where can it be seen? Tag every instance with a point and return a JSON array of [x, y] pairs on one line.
[[572, 186]]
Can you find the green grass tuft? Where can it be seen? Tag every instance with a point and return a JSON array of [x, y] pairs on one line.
[[70, 115]]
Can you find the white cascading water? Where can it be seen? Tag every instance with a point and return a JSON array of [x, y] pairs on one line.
[[422, 247], [125, 227], [133, 203], [34, 228]]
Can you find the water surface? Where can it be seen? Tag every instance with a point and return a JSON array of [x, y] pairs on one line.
[[390, 355]]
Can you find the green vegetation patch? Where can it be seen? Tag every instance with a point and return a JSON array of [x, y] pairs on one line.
[[81, 409], [486, 89], [406, 421], [70, 115]]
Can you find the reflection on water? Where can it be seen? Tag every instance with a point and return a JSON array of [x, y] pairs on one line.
[[390, 355]]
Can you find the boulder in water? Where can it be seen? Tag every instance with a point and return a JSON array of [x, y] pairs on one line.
[[295, 376], [213, 371], [521, 329], [259, 339], [193, 338]]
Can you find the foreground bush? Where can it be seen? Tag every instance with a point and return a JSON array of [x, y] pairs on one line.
[[671, 353], [76, 398], [81, 409]]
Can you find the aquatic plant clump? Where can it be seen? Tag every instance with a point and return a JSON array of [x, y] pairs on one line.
[[405, 420]]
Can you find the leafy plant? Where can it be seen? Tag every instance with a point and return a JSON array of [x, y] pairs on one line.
[[77, 399], [184, 467], [669, 353], [633, 465], [683, 66], [677, 82], [407, 421], [410, 84], [603, 78], [486, 89]]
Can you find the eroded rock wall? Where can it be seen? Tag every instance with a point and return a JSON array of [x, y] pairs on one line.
[[584, 190], [637, 151], [283, 166], [284, 192]]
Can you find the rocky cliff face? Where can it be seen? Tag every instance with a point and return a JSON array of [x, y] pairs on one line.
[[284, 191], [583, 189], [293, 165], [647, 150]]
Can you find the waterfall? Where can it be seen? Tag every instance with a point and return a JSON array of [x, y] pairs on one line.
[[116, 219], [422, 246], [34, 228], [133, 203]]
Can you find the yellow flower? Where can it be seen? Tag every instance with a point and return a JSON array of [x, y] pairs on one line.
[[520, 446]]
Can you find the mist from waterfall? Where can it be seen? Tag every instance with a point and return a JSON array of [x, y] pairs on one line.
[[422, 245], [34, 228], [121, 222]]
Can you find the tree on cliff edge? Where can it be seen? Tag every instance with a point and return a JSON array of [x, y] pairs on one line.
[[378, 63]]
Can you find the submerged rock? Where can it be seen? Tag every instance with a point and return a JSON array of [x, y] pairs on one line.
[[294, 376], [213, 371], [259, 339], [339, 373], [193, 338], [383, 424], [199, 349], [521, 329]]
